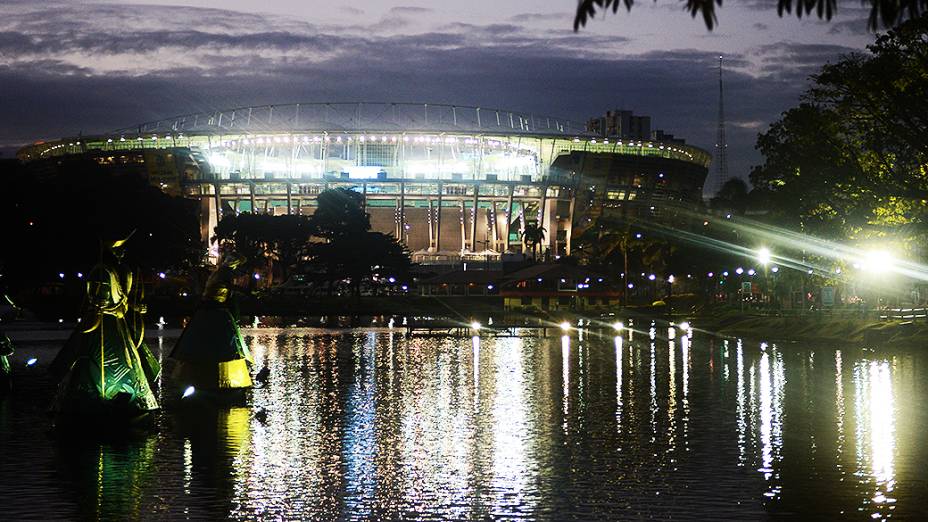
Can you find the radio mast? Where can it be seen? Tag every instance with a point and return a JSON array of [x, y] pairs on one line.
[[721, 145]]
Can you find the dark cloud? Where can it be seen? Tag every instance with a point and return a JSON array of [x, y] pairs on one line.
[[228, 60]]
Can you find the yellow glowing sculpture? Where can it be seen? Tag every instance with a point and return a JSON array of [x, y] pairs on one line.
[[211, 354], [105, 367], [6, 373]]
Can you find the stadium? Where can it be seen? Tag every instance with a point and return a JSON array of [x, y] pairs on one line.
[[453, 183]]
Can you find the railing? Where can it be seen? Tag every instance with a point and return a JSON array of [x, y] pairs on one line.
[[904, 314]]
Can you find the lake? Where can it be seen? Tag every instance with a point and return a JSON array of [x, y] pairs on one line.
[[371, 424]]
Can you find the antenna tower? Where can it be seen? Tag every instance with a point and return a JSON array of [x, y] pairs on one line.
[[721, 146]]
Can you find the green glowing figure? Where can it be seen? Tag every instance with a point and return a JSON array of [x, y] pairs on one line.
[[6, 373], [105, 368], [211, 353]]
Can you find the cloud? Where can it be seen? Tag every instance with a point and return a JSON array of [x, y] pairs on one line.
[[797, 61], [760, 27], [856, 26], [94, 68], [410, 10], [543, 17]]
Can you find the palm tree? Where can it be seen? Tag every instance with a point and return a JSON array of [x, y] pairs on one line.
[[534, 235]]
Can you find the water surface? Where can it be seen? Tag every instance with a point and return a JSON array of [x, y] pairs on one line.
[[370, 424]]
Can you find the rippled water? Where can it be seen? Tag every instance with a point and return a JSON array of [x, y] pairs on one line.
[[370, 424]]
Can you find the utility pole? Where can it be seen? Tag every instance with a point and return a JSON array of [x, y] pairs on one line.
[[721, 145]]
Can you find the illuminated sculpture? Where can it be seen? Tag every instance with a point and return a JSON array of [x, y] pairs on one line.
[[6, 373], [104, 368], [210, 353]]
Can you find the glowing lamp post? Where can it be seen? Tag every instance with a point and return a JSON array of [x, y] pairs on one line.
[[878, 263]]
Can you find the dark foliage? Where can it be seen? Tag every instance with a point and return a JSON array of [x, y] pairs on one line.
[[54, 221], [885, 13]]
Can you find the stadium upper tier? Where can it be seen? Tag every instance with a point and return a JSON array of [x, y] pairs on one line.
[[369, 141]]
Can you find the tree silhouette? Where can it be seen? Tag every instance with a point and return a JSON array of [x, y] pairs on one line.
[[849, 162], [349, 250], [340, 212], [80, 204], [534, 235], [886, 13], [732, 197]]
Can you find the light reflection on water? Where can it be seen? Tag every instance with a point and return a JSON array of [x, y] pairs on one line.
[[376, 425]]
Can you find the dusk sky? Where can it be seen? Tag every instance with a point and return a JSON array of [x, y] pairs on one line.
[[82, 66]]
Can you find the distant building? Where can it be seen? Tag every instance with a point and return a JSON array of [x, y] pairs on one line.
[[455, 184], [666, 137], [621, 124]]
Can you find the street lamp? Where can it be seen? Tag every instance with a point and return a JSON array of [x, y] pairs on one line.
[[878, 262], [763, 256]]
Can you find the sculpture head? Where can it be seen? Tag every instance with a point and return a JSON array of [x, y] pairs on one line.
[[115, 245]]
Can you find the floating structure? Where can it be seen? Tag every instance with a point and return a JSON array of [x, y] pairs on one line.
[[211, 354], [104, 369], [453, 183], [6, 372]]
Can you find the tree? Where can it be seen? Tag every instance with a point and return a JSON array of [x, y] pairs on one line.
[[290, 240], [850, 161], [732, 197], [882, 12], [349, 250], [80, 204], [534, 235], [339, 213], [358, 259]]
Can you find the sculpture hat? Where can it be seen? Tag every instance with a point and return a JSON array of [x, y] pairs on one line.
[[117, 241]]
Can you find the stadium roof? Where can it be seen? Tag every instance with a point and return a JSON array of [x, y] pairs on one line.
[[364, 116]]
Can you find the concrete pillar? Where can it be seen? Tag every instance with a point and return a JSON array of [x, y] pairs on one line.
[[570, 222], [463, 227], [402, 212], [218, 203], [438, 220], [289, 198], [543, 216], [251, 194], [491, 221], [473, 224], [512, 189], [431, 229]]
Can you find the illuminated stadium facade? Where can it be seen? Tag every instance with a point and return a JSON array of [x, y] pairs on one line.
[[451, 182]]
